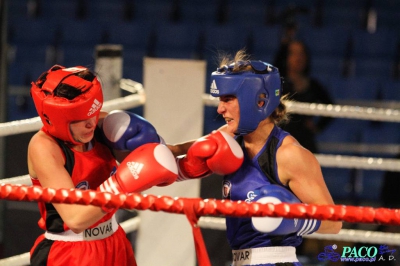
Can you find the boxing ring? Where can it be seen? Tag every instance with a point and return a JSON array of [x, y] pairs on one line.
[[208, 213]]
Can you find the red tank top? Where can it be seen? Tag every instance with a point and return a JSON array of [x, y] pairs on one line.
[[89, 169]]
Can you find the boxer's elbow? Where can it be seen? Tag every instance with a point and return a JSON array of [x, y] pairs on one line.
[[79, 217], [337, 227], [76, 227], [330, 227], [78, 224]]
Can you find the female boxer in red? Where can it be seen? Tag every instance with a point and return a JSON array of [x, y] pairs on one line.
[[68, 152]]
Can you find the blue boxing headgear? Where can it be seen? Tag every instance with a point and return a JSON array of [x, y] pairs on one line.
[[248, 86]]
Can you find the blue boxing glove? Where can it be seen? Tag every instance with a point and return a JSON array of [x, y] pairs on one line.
[[277, 225], [127, 131]]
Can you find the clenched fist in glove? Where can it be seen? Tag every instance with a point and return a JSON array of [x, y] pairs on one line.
[[216, 153], [277, 194], [147, 166], [127, 131]]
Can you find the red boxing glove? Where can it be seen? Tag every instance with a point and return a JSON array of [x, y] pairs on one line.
[[148, 165], [216, 153]]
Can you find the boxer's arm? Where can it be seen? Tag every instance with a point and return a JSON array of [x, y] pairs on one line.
[[46, 162], [180, 148], [299, 169]]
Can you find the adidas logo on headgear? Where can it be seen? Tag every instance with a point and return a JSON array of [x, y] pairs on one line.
[[95, 106], [213, 88]]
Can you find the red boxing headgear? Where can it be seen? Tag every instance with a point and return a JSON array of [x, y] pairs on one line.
[[57, 112]]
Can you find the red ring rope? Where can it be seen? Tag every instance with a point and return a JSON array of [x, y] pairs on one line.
[[193, 208], [201, 207]]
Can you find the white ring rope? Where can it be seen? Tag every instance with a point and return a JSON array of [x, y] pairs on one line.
[[368, 163], [18, 180], [344, 234], [343, 147], [17, 260], [341, 111], [345, 111], [33, 124]]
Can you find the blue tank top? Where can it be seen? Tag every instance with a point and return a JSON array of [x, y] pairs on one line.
[[253, 174]]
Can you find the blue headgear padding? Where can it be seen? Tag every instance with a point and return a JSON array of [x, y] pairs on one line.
[[247, 86]]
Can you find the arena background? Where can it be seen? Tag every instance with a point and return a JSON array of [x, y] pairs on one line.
[[355, 54]]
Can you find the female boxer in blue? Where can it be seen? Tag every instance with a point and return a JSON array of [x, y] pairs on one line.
[[276, 168]]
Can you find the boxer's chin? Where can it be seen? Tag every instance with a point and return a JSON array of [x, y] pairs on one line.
[[85, 138]]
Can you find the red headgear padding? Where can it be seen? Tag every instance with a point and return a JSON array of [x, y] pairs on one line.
[[57, 112]]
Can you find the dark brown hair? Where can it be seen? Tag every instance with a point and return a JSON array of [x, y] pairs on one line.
[[64, 90]]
